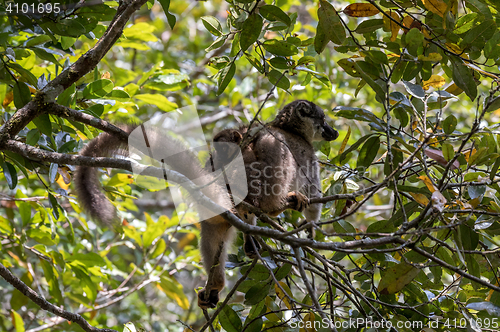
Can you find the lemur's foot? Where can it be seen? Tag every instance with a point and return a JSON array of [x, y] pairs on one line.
[[211, 301], [249, 248], [298, 200]]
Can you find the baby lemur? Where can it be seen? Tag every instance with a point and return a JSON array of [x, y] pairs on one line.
[[281, 170]]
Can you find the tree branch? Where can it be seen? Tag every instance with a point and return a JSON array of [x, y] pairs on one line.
[[70, 75], [45, 305]]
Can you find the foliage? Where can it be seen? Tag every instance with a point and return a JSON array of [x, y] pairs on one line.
[[410, 226]]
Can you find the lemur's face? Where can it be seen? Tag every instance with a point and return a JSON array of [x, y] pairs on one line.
[[314, 122]]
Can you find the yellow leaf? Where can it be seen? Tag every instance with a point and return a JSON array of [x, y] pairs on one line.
[[344, 142], [420, 198], [17, 321], [361, 10], [428, 183], [468, 154], [187, 239], [280, 292], [60, 182], [174, 290], [454, 6], [9, 97], [434, 57], [436, 6], [436, 81], [407, 21], [392, 26], [308, 321], [456, 49], [454, 89]]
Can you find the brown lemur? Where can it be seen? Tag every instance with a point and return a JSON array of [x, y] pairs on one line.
[[281, 170]]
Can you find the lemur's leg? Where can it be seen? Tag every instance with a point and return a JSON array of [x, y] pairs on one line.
[[216, 235]]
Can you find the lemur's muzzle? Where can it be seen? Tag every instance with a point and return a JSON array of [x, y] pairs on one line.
[[329, 134]]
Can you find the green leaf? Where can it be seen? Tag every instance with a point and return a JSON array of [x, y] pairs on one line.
[[257, 293], [359, 114], [37, 40], [259, 272], [465, 23], [368, 152], [362, 68], [50, 274], [32, 137], [320, 40], [254, 325], [89, 259], [43, 124], [10, 173], [255, 63], [449, 124], [273, 13], [22, 94], [165, 4], [414, 89], [46, 54], [494, 169], [463, 77], [17, 321], [226, 75], [66, 27], [217, 43], [250, 31], [212, 25], [167, 80], [282, 271], [369, 26], [158, 100], [279, 47], [448, 152], [229, 319], [396, 278], [469, 237], [65, 97], [98, 89], [330, 23], [53, 172], [155, 230], [353, 147], [478, 35], [279, 79], [118, 94], [414, 39]]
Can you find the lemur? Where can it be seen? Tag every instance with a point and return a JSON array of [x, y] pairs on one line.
[[281, 169]]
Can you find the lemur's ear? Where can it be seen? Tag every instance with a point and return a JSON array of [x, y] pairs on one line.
[[304, 107], [236, 137]]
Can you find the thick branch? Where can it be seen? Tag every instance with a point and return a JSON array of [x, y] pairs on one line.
[[70, 75], [31, 152], [45, 305]]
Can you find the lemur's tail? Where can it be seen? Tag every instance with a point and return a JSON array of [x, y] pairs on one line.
[[87, 185], [94, 201]]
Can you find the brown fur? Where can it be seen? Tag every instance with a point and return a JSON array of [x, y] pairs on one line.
[[284, 143]]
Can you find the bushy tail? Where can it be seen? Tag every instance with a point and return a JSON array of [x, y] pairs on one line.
[[94, 201], [89, 190]]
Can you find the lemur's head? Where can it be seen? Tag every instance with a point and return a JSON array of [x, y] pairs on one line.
[[307, 120]]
